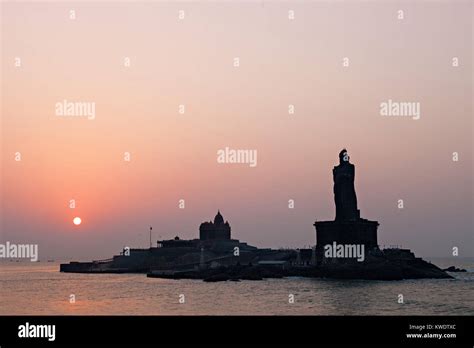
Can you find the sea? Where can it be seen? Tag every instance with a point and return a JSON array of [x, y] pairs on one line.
[[39, 288]]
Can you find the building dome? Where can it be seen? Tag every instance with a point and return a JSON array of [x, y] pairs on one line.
[[218, 219], [217, 230]]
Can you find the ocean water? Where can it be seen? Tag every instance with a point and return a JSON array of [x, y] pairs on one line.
[[40, 289]]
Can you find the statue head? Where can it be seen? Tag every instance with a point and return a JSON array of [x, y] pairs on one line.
[[343, 156]]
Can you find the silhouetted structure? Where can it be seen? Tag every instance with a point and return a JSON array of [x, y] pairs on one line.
[[344, 192], [217, 257], [348, 227], [216, 230]]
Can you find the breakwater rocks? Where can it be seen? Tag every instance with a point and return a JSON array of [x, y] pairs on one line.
[[454, 269], [394, 265]]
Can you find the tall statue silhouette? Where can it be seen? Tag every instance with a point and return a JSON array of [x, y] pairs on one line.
[[348, 227], [344, 191]]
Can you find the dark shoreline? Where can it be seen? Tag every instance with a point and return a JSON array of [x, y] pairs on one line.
[[388, 264], [418, 269]]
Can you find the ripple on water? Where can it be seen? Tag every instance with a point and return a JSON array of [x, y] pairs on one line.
[[44, 290]]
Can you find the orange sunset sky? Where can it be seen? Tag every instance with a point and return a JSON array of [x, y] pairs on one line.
[[173, 155]]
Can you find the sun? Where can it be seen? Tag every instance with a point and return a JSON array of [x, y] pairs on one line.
[[77, 221]]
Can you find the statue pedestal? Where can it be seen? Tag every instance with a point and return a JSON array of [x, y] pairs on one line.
[[362, 232]]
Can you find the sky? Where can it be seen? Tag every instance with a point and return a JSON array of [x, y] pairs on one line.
[[191, 62]]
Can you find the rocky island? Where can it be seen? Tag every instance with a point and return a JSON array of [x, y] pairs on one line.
[[346, 248]]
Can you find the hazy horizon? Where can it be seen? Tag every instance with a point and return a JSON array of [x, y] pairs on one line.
[[190, 62]]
